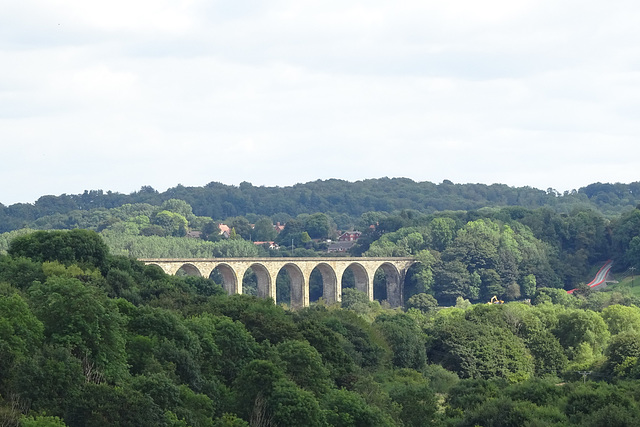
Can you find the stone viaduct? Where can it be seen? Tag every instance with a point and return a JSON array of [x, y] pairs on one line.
[[299, 270]]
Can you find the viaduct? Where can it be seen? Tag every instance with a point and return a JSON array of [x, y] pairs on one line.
[[299, 270]]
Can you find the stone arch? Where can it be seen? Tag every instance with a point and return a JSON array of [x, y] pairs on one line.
[[299, 291], [189, 270], [394, 279], [264, 281], [166, 270], [363, 282], [329, 282], [230, 278]]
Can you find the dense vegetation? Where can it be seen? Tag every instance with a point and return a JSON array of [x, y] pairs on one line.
[[91, 337], [343, 201], [88, 338], [504, 251]]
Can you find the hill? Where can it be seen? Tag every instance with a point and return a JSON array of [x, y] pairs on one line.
[[338, 197]]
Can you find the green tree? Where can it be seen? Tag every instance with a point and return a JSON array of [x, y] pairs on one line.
[[303, 365], [49, 379], [529, 285], [405, 338], [576, 327], [241, 226], [623, 354], [173, 223], [442, 232], [291, 406], [264, 231], [422, 302], [478, 350], [317, 225], [620, 318], [68, 247], [42, 421], [179, 207], [81, 318], [416, 398], [101, 404], [452, 280], [255, 385], [344, 408]]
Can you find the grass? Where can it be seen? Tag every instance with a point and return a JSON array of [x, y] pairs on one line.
[[626, 285]]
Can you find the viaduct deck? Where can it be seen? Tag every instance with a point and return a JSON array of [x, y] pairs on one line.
[[299, 270]]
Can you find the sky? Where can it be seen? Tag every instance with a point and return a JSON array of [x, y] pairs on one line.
[[116, 95]]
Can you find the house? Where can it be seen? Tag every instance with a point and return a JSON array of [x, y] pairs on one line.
[[272, 245], [225, 231], [278, 227], [349, 236], [343, 246], [194, 234]]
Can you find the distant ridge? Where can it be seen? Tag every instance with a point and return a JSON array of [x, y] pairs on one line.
[[217, 200]]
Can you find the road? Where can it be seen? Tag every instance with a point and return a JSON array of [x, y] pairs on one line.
[[601, 277]]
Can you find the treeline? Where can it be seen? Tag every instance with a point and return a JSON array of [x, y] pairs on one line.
[[508, 252], [92, 339], [346, 200]]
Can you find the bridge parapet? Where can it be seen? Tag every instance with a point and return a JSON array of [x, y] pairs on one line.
[[299, 269]]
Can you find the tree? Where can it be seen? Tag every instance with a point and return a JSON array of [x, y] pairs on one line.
[[173, 223], [405, 339], [94, 330], [420, 276], [67, 247], [291, 406], [42, 421], [255, 385], [422, 302], [417, 400], [451, 281], [479, 350], [101, 404], [576, 327], [179, 207], [344, 408], [21, 334], [442, 232], [623, 354], [49, 379], [263, 231], [513, 291], [210, 231], [241, 226], [292, 231], [620, 318], [317, 225], [529, 285], [303, 365], [476, 245]]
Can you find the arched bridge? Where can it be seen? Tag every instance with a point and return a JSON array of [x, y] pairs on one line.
[[299, 270]]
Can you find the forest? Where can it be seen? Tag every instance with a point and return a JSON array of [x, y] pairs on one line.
[[89, 336], [506, 251], [342, 200]]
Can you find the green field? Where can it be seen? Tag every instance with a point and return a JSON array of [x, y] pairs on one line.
[[626, 285]]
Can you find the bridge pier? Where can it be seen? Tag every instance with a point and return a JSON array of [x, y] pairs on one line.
[[299, 271]]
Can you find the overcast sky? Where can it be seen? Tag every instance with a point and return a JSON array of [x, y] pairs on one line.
[[117, 94]]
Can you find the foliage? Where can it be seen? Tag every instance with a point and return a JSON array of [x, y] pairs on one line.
[[92, 338]]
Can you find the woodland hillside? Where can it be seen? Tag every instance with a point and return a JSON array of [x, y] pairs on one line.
[[343, 199], [504, 251], [89, 338]]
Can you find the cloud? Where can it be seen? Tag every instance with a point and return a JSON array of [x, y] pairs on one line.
[[121, 94]]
